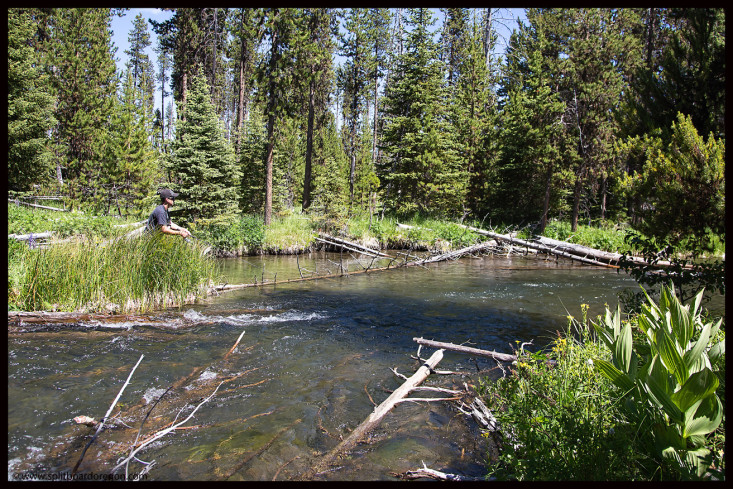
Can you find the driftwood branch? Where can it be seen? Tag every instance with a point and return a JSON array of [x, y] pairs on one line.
[[426, 473], [165, 431], [106, 416], [504, 357]]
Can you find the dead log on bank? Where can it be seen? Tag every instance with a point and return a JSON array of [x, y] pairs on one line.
[[584, 254], [376, 416], [543, 247], [26, 237], [16, 201]]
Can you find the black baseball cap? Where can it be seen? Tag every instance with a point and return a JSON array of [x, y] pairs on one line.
[[166, 193]]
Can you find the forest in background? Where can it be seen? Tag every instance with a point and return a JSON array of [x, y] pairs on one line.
[[592, 115]]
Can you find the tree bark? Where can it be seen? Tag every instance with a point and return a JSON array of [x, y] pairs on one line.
[[309, 148]]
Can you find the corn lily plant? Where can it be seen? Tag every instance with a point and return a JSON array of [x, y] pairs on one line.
[[666, 374]]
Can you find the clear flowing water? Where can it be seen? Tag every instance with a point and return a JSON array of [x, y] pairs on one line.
[[313, 358]]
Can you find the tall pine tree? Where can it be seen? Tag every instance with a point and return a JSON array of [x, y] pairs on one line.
[[85, 80], [422, 171]]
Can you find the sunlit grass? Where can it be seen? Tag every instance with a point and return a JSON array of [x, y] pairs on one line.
[[290, 233]]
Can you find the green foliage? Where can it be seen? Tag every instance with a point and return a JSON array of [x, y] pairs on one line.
[[665, 380], [683, 187], [686, 74], [605, 236], [290, 233], [558, 418], [422, 171], [231, 233], [85, 82], [24, 221], [129, 165], [688, 276]]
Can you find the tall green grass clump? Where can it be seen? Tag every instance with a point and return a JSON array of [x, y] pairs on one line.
[[125, 275], [22, 220], [604, 237]]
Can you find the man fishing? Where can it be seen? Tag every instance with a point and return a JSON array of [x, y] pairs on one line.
[[160, 218]]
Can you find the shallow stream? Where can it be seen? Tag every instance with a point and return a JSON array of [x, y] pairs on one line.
[[313, 357]]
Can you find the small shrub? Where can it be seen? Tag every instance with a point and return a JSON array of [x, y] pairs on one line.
[[560, 422]]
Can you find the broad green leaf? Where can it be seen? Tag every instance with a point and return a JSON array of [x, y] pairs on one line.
[[681, 322], [706, 417], [670, 356], [715, 328], [657, 386], [619, 378], [666, 437], [603, 333], [699, 386], [699, 459], [716, 352], [623, 348], [693, 354], [696, 306]]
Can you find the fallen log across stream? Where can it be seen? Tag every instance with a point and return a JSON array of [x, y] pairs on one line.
[[583, 254], [375, 417], [348, 245]]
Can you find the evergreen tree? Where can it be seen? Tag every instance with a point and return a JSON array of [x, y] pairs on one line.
[[317, 70], [682, 184], [471, 112], [164, 65], [531, 154], [354, 81], [252, 161], [30, 107], [422, 171], [378, 22], [247, 27], [130, 164], [85, 81], [595, 47], [276, 79], [689, 76], [139, 63], [202, 165], [182, 35], [331, 173]]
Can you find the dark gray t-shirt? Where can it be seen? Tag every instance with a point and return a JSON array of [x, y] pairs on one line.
[[159, 217]]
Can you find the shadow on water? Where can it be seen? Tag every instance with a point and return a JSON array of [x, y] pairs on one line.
[[313, 357]]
